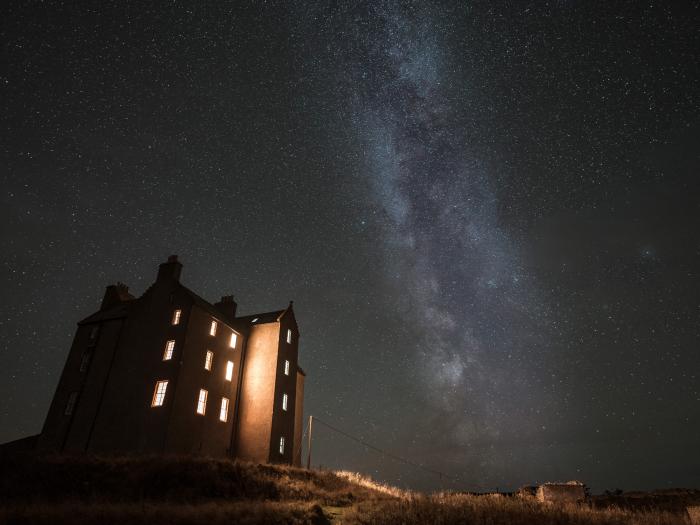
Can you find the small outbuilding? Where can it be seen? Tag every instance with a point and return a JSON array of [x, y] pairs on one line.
[[561, 493]]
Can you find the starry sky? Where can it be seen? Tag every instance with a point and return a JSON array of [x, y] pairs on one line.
[[486, 213]]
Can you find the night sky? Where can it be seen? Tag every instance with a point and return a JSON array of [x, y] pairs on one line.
[[487, 214]]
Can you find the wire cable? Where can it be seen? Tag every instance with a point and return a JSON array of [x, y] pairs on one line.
[[384, 452]]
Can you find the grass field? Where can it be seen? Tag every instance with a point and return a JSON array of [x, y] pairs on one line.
[[189, 490]]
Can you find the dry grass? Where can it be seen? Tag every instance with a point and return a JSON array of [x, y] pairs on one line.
[[189, 490], [79, 513], [365, 481], [491, 510]]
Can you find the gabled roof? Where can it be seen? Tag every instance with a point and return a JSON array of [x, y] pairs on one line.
[[206, 305]]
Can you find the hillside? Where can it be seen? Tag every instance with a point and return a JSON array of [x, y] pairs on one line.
[[189, 490]]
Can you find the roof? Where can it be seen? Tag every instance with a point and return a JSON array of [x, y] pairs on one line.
[[206, 305], [266, 317], [116, 312]]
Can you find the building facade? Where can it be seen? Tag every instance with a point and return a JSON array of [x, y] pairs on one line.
[[170, 373]]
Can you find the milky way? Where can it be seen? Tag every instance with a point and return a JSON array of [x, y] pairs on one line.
[[485, 214]]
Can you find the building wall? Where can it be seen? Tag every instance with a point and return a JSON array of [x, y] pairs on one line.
[[126, 422], [57, 424], [283, 420], [257, 401], [298, 418], [189, 431]]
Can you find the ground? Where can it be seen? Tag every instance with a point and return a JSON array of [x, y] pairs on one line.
[[190, 490]]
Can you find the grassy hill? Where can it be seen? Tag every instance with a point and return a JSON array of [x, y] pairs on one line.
[[190, 490]]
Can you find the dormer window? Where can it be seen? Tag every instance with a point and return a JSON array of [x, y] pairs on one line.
[[289, 336], [176, 317], [212, 328]]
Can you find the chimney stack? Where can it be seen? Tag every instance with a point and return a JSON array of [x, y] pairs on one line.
[[115, 294], [227, 306], [170, 269]]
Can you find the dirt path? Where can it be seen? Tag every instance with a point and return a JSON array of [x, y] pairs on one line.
[[335, 515]]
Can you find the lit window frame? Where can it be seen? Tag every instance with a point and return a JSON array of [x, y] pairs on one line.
[[233, 341], [202, 402], [289, 336], [159, 392], [212, 328], [169, 350], [286, 367], [285, 402], [177, 316], [229, 371], [223, 412], [208, 360], [281, 445]]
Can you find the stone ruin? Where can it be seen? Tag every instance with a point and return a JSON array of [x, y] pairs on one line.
[[561, 493]]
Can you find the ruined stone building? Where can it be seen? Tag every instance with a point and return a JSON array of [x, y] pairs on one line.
[[170, 373]]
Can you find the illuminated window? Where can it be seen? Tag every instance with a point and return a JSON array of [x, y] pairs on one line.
[[282, 445], [286, 368], [85, 360], [285, 399], [159, 394], [208, 360], [234, 338], [289, 336], [229, 371], [70, 404], [169, 347], [254, 320], [223, 413], [202, 402], [176, 317], [212, 328]]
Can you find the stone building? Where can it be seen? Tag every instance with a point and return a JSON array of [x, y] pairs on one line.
[[170, 373]]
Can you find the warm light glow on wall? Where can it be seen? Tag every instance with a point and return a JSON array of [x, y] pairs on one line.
[[159, 394], [202, 402]]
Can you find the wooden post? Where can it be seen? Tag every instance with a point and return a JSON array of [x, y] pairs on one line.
[[308, 458]]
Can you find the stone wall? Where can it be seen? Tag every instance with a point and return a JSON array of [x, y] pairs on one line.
[[561, 493]]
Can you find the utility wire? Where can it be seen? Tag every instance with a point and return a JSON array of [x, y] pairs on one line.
[[384, 452]]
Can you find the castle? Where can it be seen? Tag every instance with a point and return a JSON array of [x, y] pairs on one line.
[[170, 373]]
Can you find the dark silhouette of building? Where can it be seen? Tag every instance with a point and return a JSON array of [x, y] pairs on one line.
[[168, 372]]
